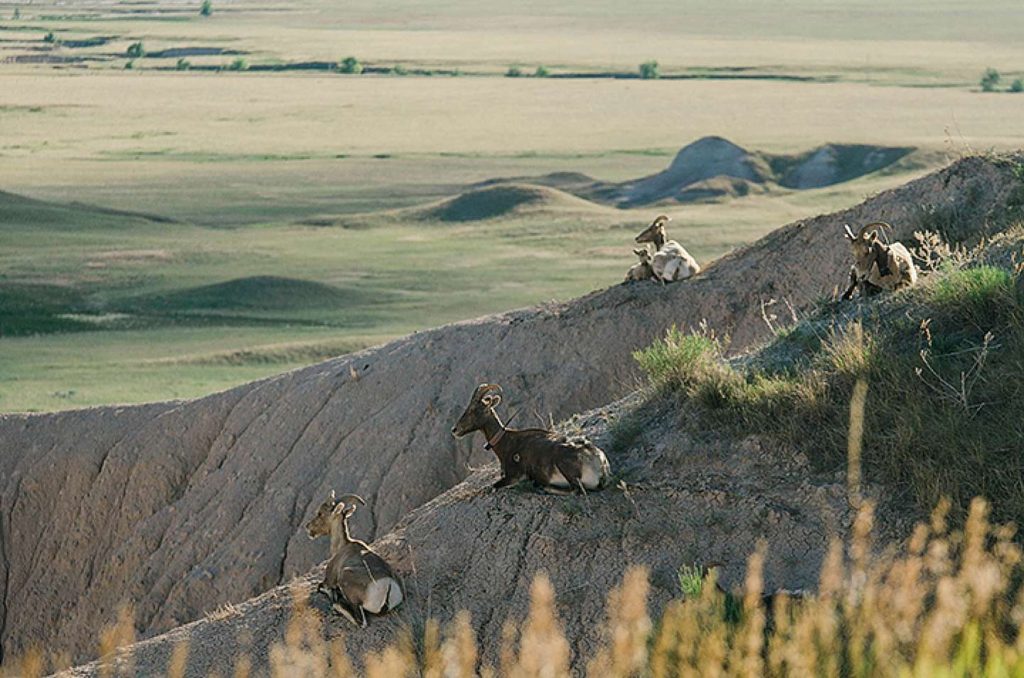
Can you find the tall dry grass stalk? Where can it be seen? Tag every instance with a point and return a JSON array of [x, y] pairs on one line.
[[855, 440]]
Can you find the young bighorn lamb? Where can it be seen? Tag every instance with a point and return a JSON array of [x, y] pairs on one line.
[[877, 266], [357, 580], [670, 261], [554, 462], [642, 270]]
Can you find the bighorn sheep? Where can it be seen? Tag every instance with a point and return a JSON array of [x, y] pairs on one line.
[[877, 266], [670, 261], [554, 462], [642, 270], [357, 580]]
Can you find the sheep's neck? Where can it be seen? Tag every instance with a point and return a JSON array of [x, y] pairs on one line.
[[339, 536], [493, 429], [659, 239]]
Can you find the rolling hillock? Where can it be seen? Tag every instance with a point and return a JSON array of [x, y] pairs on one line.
[[263, 292], [502, 201], [47, 214], [183, 506], [489, 201]]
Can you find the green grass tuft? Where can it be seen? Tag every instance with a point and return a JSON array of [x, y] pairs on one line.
[[678, 359], [691, 580], [979, 293]]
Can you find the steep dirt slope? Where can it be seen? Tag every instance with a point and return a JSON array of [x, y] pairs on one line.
[[182, 506], [693, 498]]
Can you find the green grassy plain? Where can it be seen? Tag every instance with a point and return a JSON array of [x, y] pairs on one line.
[[234, 287]]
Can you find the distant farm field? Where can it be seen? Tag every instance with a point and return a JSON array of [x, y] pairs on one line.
[[187, 228]]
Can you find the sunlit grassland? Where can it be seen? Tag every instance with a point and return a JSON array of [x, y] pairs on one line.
[[163, 336], [240, 158]]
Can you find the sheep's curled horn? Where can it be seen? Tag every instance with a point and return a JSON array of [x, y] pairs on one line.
[[342, 507], [864, 229], [483, 394]]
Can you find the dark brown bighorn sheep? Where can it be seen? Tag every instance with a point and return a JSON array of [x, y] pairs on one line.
[[877, 266], [357, 580], [554, 462], [670, 261]]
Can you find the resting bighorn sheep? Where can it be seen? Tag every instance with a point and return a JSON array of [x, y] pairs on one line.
[[877, 266], [642, 270], [554, 462], [670, 261], [357, 580]]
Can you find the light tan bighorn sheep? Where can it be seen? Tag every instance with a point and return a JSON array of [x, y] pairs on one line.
[[670, 261], [556, 463], [641, 270], [877, 266], [357, 580]]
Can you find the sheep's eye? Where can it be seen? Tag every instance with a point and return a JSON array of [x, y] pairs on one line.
[[515, 457]]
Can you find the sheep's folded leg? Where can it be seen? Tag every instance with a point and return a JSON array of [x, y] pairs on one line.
[[347, 610], [551, 489]]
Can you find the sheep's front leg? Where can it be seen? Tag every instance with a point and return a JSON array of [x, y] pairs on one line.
[[505, 481], [848, 294]]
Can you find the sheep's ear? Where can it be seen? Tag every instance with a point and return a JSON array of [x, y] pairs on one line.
[[340, 509], [350, 510], [849, 232], [495, 399]]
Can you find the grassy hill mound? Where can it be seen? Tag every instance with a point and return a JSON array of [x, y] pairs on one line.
[[484, 202], [263, 292], [503, 201], [38, 308], [17, 211]]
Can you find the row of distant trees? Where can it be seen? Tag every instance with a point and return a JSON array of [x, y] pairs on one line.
[[990, 80], [205, 9], [648, 70]]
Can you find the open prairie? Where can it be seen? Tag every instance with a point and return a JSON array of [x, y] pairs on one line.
[[235, 261]]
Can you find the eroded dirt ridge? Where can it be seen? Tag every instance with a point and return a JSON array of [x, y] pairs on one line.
[[715, 498], [180, 507]]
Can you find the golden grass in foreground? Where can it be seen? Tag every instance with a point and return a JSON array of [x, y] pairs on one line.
[[947, 604]]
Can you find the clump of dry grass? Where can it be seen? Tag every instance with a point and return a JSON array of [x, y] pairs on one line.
[[948, 603]]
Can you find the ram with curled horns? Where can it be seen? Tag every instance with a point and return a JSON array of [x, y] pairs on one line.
[[556, 463], [877, 266]]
